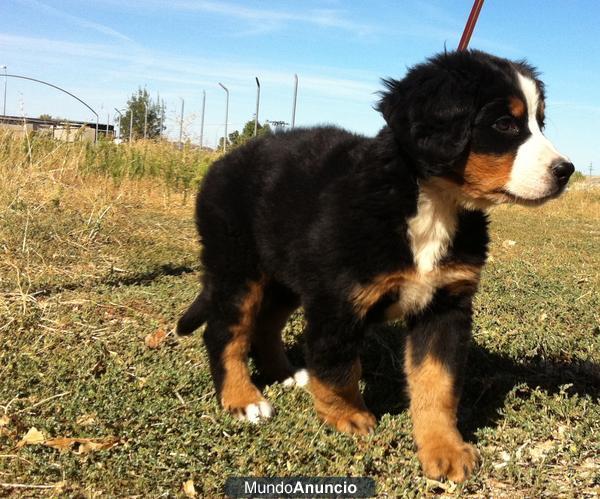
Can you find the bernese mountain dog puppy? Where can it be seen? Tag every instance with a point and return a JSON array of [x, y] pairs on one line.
[[358, 230]]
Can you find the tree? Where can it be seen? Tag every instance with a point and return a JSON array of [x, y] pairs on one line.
[[236, 138], [248, 132], [136, 106]]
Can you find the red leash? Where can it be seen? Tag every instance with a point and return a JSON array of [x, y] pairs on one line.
[[470, 26]]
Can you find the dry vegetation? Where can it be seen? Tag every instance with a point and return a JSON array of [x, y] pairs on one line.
[[98, 258]]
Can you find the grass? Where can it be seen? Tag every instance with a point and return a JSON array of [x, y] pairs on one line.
[[96, 256]]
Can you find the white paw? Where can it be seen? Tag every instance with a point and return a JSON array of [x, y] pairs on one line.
[[254, 413], [300, 378]]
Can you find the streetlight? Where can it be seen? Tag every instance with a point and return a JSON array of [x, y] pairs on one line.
[[5, 67], [145, 119], [181, 123], [257, 102], [226, 115], [294, 104], [120, 120], [162, 118], [202, 119], [130, 124], [64, 91]]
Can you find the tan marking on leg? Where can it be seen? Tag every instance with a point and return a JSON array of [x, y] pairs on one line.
[[238, 391], [517, 107], [415, 289], [268, 344], [342, 406], [433, 405]]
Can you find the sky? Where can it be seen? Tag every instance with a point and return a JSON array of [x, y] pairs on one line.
[[103, 51]]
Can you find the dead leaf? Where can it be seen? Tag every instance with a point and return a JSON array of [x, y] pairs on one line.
[[86, 420], [154, 340], [437, 485], [93, 445], [562, 431], [77, 445], [591, 463], [4, 430], [508, 243], [32, 437], [189, 489], [82, 445], [539, 451]]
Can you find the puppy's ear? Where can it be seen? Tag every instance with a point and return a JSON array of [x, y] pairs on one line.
[[430, 113]]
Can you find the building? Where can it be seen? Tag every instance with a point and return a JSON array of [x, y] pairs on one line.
[[68, 131]]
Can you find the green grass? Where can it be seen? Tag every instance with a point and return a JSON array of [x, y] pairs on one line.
[[178, 169], [80, 290]]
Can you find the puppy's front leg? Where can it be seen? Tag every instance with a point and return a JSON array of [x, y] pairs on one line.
[[436, 349]]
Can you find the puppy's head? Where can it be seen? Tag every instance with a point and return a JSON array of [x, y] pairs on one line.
[[475, 121]]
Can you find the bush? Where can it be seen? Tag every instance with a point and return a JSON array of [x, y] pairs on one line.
[[577, 177], [178, 168]]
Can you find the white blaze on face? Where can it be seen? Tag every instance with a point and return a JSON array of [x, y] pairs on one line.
[[531, 176]]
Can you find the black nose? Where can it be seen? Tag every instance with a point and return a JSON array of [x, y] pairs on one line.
[[562, 171]]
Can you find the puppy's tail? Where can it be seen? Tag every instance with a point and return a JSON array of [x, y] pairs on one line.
[[195, 315]]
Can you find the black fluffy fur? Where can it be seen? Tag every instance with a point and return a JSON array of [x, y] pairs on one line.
[[319, 210]]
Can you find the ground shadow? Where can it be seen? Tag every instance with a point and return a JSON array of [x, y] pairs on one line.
[[115, 279], [489, 378]]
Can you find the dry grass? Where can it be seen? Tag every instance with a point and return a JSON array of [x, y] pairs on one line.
[[93, 262], [70, 210]]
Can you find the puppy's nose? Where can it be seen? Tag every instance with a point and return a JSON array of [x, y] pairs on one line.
[[562, 171]]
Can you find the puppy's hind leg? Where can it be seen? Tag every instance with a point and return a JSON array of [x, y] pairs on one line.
[[227, 338], [267, 344]]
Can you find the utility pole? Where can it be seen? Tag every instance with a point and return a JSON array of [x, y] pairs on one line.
[[202, 118], [226, 115], [257, 102], [181, 123], [295, 97], [590, 169], [278, 125]]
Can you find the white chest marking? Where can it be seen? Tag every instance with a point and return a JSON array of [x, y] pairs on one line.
[[432, 229]]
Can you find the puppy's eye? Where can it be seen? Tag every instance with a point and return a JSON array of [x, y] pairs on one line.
[[506, 124]]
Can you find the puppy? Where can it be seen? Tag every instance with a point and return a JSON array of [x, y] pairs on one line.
[[358, 230]]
